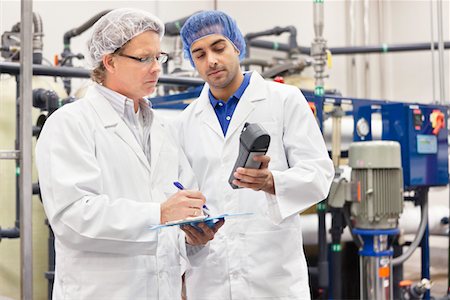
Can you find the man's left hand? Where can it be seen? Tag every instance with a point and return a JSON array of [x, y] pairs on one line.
[[256, 179], [196, 237]]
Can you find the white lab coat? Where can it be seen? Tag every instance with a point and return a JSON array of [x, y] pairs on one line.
[[260, 257], [101, 195]]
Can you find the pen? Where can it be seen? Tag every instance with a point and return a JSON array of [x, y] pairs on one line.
[[181, 187]]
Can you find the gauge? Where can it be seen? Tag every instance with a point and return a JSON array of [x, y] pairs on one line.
[[362, 128]]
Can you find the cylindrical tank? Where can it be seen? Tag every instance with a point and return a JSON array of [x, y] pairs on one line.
[[10, 248]]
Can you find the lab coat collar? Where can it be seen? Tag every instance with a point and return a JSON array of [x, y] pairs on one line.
[[111, 119], [254, 93]]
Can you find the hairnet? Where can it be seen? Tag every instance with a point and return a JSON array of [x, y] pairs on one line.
[[117, 27], [211, 22]]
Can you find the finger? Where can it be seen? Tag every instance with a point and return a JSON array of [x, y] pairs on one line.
[[249, 178], [218, 225], [252, 186], [208, 232], [262, 158], [191, 234], [194, 194], [194, 231], [257, 173], [199, 236], [195, 203]]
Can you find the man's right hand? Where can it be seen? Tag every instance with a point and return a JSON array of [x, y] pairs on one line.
[[182, 205]]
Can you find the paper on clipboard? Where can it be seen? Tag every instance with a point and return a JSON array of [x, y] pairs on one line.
[[210, 221]]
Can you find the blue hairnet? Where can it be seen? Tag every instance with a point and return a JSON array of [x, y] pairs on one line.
[[207, 23], [117, 27]]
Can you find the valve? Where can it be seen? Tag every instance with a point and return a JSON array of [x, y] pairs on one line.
[[279, 79], [437, 121]]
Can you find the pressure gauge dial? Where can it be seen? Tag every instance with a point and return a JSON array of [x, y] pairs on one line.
[[362, 128]]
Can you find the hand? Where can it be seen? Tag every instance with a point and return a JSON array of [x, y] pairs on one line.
[[196, 236], [183, 204], [256, 179]]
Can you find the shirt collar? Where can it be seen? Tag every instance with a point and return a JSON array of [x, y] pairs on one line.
[[237, 95], [121, 104]]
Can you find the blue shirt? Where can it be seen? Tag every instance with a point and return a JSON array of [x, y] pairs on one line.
[[224, 110]]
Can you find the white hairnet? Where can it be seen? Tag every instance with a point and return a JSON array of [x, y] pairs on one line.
[[116, 28]]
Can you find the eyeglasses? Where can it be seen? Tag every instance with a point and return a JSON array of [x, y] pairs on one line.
[[161, 58]]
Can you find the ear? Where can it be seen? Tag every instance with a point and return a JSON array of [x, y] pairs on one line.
[[108, 62]]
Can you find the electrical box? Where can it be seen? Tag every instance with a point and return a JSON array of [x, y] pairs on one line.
[[422, 133]]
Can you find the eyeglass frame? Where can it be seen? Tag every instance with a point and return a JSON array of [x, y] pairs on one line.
[[149, 59]]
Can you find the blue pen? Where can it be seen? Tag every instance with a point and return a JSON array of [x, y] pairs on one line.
[[181, 187]]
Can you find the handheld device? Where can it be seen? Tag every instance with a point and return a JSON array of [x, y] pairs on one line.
[[254, 141]]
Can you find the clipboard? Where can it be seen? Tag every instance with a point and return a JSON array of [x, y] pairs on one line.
[[210, 221]]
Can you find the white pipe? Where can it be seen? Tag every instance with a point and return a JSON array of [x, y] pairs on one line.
[[433, 78], [347, 130], [409, 223], [382, 58], [350, 41], [441, 54], [367, 77]]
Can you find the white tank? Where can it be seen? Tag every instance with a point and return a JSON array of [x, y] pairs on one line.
[[10, 248]]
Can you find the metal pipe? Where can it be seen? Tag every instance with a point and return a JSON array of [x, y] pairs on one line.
[[293, 46], [80, 29], [26, 63], [67, 55], [337, 227], [381, 35], [318, 48], [318, 18], [351, 40], [10, 233], [366, 36], [433, 78], [322, 261], [337, 115], [425, 245], [38, 44], [383, 48], [441, 61], [39, 70]]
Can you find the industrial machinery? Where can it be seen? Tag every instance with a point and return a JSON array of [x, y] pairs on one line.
[[375, 190], [376, 206]]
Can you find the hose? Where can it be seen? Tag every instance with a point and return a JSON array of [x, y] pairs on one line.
[[417, 239], [356, 238]]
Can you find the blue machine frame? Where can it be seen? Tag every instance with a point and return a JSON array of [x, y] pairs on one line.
[[424, 151], [424, 148]]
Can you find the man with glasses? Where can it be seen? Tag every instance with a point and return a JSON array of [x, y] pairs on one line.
[[106, 166]]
